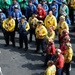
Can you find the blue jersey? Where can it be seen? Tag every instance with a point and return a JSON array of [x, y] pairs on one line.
[[22, 28], [31, 9], [17, 14], [12, 7], [2, 18]]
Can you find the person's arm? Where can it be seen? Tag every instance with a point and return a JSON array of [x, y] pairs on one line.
[[67, 10], [45, 21], [68, 21], [47, 8], [55, 24], [4, 23], [66, 26], [47, 37], [35, 9], [53, 49], [4, 16], [57, 7], [56, 14], [10, 8], [59, 2], [52, 35], [60, 10], [44, 13], [18, 6], [70, 54], [27, 27]]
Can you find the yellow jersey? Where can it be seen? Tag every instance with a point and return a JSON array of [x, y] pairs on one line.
[[9, 25], [50, 22], [51, 70]]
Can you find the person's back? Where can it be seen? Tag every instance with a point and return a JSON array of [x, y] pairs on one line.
[[13, 4], [51, 70], [41, 13], [50, 21], [68, 58], [68, 55], [64, 10], [62, 25], [9, 25], [45, 6], [51, 34], [30, 9]]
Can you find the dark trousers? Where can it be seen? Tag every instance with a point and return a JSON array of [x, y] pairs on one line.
[[59, 71], [32, 32], [40, 42], [2, 29], [11, 36], [55, 32], [66, 68], [16, 25], [24, 39]]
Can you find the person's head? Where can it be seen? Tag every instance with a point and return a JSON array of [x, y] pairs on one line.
[[54, 2], [14, 1], [9, 17], [50, 63], [65, 32], [66, 39], [0, 11], [23, 18], [63, 3], [44, 2], [30, 2], [62, 18], [58, 52], [40, 22], [39, 5], [53, 8], [50, 13], [33, 15], [15, 8], [51, 42]]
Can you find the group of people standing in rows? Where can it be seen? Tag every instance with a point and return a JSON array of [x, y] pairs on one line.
[[45, 23]]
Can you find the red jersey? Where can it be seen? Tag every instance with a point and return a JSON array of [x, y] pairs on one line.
[[41, 13], [51, 49], [60, 61], [62, 37]]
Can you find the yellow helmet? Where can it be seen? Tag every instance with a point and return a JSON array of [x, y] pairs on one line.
[[62, 17]]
